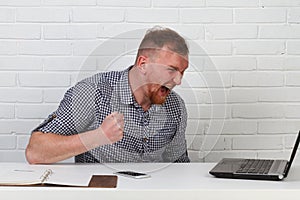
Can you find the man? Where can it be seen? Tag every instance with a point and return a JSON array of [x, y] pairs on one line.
[[122, 116]]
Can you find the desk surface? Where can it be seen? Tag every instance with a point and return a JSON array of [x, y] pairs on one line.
[[168, 181]]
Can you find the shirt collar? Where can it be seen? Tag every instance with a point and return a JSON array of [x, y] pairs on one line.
[[126, 95]]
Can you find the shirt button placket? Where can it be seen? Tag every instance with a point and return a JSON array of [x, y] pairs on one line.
[[146, 128]]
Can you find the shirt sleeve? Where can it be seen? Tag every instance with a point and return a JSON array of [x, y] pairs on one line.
[[75, 112], [176, 150]]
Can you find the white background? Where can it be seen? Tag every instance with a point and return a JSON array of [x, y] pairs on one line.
[[244, 74]]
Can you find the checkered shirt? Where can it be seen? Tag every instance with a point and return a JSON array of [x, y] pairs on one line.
[[155, 135]]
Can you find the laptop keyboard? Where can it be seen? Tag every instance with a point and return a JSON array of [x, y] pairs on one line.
[[255, 166]]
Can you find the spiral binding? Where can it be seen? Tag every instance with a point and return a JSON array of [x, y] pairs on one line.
[[46, 175]]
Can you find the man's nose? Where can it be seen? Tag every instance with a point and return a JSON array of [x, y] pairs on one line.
[[177, 78]]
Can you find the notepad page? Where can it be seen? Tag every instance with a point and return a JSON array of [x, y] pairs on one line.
[[69, 175], [20, 175]]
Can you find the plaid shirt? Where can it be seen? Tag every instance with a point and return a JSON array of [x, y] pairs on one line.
[[155, 135]]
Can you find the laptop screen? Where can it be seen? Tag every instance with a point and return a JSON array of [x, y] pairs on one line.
[[293, 154]]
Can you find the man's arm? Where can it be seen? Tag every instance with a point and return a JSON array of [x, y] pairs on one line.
[[176, 150], [51, 147]]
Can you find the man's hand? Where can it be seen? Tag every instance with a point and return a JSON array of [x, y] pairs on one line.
[[109, 132], [112, 127]]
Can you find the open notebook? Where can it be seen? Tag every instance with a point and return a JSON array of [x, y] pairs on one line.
[[43, 175]]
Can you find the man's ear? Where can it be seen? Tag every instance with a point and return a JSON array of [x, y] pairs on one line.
[[141, 63]]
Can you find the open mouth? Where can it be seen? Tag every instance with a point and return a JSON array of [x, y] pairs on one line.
[[164, 90], [160, 95]]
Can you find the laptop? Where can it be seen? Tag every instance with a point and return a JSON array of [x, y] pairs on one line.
[[258, 169]]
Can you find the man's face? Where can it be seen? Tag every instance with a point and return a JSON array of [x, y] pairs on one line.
[[164, 72]]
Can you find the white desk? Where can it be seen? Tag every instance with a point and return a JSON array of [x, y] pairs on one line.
[[168, 181]]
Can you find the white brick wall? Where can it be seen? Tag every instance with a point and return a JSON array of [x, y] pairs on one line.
[[44, 15], [242, 89]]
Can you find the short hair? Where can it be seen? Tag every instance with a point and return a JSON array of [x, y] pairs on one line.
[[158, 37]]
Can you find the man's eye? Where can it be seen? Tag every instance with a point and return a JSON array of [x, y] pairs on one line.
[[172, 69]]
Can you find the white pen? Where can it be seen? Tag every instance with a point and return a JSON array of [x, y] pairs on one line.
[[23, 170]]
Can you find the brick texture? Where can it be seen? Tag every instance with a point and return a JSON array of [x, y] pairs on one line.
[[242, 89]]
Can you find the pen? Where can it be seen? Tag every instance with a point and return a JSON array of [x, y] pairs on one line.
[[23, 170]]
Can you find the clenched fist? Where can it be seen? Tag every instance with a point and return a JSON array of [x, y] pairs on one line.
[[112, 127], [109, 132]]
